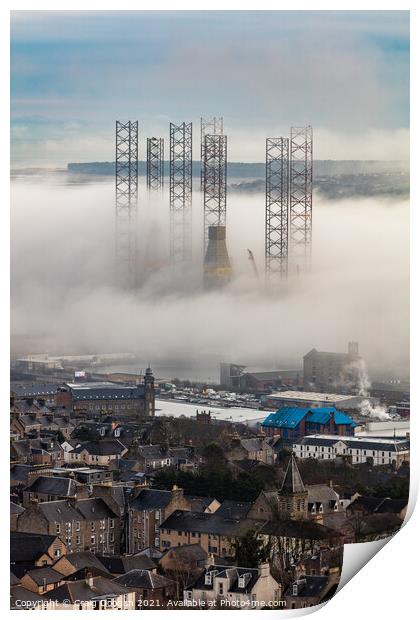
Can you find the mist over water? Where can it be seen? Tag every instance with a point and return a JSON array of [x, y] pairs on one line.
[[64, 299]]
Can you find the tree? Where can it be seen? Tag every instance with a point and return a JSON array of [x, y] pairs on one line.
[[214, 455], [250, 550]]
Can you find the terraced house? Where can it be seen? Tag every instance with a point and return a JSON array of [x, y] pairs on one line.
[[147, 510], [85, 524], [356, 450]]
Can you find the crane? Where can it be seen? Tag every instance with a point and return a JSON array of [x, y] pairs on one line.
[[254, 265]]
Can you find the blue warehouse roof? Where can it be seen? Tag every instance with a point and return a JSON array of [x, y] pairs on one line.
[[291, 417]]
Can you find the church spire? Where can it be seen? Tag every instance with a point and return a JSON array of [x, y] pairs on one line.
[[292, 482]]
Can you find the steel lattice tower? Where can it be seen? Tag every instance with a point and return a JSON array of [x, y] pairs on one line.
[[277, 207], [209, 126], [154, 163], [300, 199], [180, 191], [126, 191], [215, 158]]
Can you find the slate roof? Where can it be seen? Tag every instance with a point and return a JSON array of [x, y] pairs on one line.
[[321, 493], [45, 575], [291, 417], [144, 579], [107, 392], [292, 482], [81, 559], [378, 504], [183, 520], [82, 573], [151, 499], [14, 581], [74, 591], [150, 552], [94, 508], [187, 552], [122, 564], [29, 420], [20, 472], [19, 594], [32, 390], [15, 509], [60, 510], [298, 529], [51, 485], [107, 447], [26, 547], [310, 586], [231, 509], [152, 452]]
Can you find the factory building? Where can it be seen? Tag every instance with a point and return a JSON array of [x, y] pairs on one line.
[[291, 398], [234, 377], [325, 371]]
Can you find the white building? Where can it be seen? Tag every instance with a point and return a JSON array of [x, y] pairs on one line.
[[233, 587], [374, 450]]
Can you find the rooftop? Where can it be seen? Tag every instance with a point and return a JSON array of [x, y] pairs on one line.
[[312, 396], [183, 520], [290, 417], [388, 444], [143, 579]]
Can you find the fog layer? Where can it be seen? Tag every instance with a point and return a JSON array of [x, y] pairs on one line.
[[64, 298]]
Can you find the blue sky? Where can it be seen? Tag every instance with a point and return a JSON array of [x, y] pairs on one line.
[[75, 73]]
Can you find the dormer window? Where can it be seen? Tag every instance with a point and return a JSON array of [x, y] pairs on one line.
[[295, 589], [243, 580], [208, 579]]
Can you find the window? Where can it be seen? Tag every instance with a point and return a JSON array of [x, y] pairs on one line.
[[92, 526], [92, 540], [111, 537], [77, 526], [57, 528], [221, 588], [77, 540], [57, 553], [101, 538], [188, 595]]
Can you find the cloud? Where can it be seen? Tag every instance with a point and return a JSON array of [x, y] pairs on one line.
[[346, 73]]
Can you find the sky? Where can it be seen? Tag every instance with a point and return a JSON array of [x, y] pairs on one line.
[[74, 73]]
